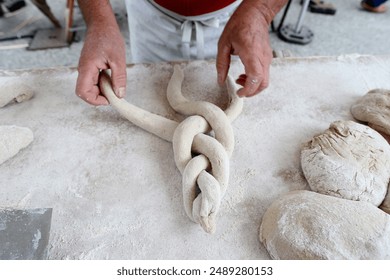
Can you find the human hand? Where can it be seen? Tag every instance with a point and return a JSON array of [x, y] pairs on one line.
[[103, 48], [246, 35]]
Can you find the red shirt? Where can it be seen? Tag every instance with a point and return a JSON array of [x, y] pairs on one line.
[[194, 7]]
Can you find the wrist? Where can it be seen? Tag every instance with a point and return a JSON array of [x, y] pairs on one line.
[[97, 13], [266, 8]]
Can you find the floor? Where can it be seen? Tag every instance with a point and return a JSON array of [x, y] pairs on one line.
[[350, 31]]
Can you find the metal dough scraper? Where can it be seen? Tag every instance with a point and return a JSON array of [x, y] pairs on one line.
[[24, 234]]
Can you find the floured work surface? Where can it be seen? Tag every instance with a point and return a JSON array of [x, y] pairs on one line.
[[114, 188]]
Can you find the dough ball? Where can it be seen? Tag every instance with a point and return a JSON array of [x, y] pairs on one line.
[[12, 140], [374, 109], [308, 225], [15, 93], [348, 160]]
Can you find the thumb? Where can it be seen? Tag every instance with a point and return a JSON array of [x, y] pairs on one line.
[[119, 78]]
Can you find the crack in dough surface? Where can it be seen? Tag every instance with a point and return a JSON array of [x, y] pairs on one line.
[[348, 160]]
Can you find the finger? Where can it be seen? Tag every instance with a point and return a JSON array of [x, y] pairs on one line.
[[95, 98], [223, 62], [119, 78], [264, 82], [86, 85], [242, 80], [254, 76]]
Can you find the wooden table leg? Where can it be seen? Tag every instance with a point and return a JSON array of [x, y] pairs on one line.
[[69, 20]]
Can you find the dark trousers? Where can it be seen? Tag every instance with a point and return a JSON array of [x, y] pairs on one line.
[[374, 3]]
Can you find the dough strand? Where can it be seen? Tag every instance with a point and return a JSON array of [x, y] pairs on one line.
[[206, 175]]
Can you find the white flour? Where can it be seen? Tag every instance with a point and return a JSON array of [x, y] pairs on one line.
[[115, 190]]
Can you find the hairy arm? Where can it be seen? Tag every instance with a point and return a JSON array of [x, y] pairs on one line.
[[103, 48], [247, 35]]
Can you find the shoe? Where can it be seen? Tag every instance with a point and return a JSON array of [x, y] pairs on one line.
[[11, 7], [320, 7], [379, 9]]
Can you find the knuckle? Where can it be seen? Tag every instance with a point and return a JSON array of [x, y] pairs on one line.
[[120, 76], [80, 94], [78, 91], [119, 80]]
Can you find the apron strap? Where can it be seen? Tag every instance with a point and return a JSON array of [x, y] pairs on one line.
[[187, 28], [197, 24]]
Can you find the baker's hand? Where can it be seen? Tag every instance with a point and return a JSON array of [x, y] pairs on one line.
[[103, 48], [246, 35]]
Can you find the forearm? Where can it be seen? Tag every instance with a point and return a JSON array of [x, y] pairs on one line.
[[97, 13]]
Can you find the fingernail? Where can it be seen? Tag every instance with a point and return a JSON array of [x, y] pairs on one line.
[[121, 92], [239, 92]]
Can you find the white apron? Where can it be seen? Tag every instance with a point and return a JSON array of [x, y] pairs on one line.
[[157, 34]]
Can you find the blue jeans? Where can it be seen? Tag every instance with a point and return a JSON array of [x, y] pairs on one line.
[[374, 3]]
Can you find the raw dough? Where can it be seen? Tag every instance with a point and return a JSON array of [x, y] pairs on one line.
[[205, 176], [15, 93], [385, 206], [189, 138], [12, 140], [374, 109], [349, 160], [308, 225]]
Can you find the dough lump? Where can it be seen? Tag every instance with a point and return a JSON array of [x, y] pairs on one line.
[[12, 140], [308, 225], [374, 109], [348, 160], [385, 206], [15, 93]]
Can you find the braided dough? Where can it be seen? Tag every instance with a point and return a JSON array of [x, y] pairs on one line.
[[205, 176]]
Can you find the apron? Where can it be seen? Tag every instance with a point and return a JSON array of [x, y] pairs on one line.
[[157, 34]]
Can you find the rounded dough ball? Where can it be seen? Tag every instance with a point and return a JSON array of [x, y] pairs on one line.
[[308, 225], [374, 109], [348, 160]]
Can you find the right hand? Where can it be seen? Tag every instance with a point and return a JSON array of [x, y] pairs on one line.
[[104, 48], [246, 34]]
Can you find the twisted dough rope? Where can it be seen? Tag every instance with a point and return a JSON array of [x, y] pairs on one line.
[[202, 191]]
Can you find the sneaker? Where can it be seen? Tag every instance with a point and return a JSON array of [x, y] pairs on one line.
[[321, 7]]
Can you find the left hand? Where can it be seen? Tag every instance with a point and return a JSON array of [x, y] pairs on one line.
[[247, 35]]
